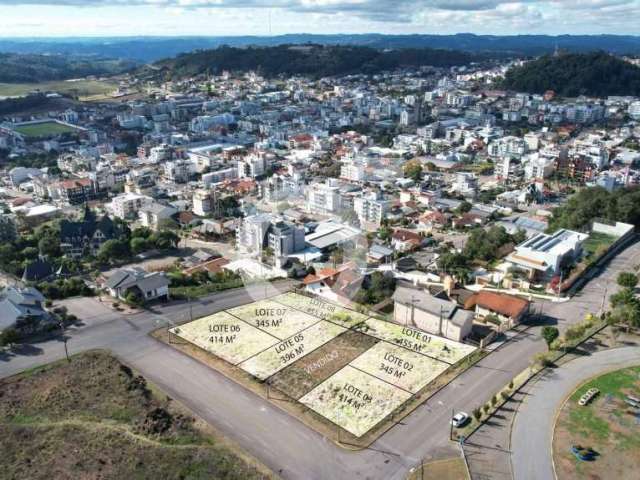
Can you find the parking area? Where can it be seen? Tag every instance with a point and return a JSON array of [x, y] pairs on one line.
[[89, 310]]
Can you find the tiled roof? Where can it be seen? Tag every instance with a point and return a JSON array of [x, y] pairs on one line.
[[506, 305]]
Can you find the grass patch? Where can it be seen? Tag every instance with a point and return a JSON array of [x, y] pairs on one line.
[[596, 242], [95, 418], [204, 289], [607, 425], [44, 129]]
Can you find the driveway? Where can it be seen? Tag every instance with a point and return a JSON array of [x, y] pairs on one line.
[[533, 426]]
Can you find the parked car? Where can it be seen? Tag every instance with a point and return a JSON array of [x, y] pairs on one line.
[[460, 419]]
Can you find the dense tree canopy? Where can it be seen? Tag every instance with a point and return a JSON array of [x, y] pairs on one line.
[[313, 60], [594, 203], [30, 68], [596, 73]]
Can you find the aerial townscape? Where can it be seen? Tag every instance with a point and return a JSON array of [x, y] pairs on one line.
[[410, 255]]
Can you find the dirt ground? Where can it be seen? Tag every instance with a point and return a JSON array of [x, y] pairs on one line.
[[607, 425], [311, 370], [94, 418]]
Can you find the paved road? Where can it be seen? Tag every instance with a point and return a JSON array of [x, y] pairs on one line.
[[534, 422], [280, 441]]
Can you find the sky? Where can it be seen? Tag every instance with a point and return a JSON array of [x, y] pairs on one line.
[[45, 18]]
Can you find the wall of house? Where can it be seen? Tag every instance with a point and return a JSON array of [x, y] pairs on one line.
[[403, 315]]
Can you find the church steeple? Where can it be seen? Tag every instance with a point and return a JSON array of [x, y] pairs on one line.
[[89, 216]]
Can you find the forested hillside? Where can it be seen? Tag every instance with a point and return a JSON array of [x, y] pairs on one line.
[[572, 74], [28, 68], [313, 60]]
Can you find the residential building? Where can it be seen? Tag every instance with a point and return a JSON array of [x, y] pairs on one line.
[[371, 209], [23, 309], [144, 286], [323, 198], [543, 255], [508, 309], [127, 205], [152, 214], [258, 232], [416, 308], [84, 237], [203, 202]]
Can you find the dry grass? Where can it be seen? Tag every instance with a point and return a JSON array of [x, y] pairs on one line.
[[450, 469], [95, 418]]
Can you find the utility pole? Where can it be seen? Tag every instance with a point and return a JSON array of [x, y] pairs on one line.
[[604, 297], [451, 424], [64, 339]]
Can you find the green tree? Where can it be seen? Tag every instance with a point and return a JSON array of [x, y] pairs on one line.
[[627, 280], [9, 336], [464, 207], [164, 239], [168, 224], [141, 232], [113, 250], [49, 246], [138, 244], [413, 170], [550, 334], [350, 217], [384, 233]]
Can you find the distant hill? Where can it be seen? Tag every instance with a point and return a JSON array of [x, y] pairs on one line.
[[31, 68], [572, 74], [312, 60], [150, 49]]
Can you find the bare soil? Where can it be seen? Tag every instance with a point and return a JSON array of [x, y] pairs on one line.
[[311, 370]]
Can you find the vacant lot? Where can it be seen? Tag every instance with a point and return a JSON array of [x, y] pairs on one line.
[[44, 129], [439, 348], [284, 353], [451, 469], [343, 367], [607, 425], [226, 336], [304, 375], [398, 366], [355, 400], [321, 309], [274, 318], [95, 418]]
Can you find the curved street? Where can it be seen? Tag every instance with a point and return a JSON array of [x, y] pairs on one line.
[[532, 431]]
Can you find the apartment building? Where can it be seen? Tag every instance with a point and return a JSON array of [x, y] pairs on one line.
[[127, 205]]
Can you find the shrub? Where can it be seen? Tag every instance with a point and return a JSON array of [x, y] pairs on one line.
[[477, 414]]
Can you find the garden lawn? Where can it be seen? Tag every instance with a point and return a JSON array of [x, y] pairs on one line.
[[607, 425]]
